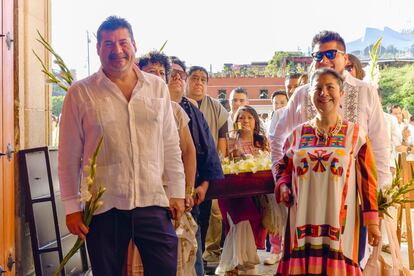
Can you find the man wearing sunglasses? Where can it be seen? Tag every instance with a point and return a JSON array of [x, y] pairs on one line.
[[360, 104]]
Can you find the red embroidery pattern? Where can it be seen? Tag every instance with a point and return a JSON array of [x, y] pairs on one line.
[[319, 159], [336, 170]]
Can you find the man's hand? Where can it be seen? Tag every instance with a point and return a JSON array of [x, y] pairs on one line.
[[177, 208], [200, 193], [75, 224], [374, 234]]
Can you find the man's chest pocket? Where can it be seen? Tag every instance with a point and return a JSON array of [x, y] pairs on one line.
[[99, 112], [149, 125]]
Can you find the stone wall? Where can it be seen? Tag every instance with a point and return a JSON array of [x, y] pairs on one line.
[[32, 105]]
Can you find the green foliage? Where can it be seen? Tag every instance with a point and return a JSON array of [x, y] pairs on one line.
[[397, 86], [57, 102], [278, 65], [64, 79]]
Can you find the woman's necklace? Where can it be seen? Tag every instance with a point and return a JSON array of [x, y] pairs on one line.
[[322, 135]]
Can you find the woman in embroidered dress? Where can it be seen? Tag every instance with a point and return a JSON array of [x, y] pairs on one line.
[[242, 217], [327, 169]]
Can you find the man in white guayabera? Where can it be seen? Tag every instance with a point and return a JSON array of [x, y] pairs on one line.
[[131, 109]]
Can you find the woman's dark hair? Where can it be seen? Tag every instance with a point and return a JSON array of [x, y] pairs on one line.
[[154, 57], [356, 63], [279, 92], [328, 71], [259, 136], [181, 63]]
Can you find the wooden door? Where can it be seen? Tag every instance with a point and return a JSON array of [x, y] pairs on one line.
[[7, 244]]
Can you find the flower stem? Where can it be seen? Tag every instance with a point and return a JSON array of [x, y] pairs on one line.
[[78, 244]]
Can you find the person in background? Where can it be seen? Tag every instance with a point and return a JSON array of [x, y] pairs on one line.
[[242, 217], [303, 79], [208, 162], [216, 117], [125, 106], [279, 99], [354, 67], [318, 179], [291, 83], [238, 98], [411, 129], [158, 64]]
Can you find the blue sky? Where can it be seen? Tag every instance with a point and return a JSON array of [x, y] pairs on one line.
[[220, 31]]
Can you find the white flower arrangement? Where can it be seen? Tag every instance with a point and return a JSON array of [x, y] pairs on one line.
[[396, 193], [250, 163]]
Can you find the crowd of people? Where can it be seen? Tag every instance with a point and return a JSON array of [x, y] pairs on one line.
[[163, 137]]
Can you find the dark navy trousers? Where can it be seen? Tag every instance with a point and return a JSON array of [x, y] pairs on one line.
[[149, 227]]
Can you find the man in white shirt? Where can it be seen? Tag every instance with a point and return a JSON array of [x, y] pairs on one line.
[[360, 104], [132, 111]]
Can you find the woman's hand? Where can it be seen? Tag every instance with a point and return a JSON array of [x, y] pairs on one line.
[[285, 195], [374, 234], [189, 202]]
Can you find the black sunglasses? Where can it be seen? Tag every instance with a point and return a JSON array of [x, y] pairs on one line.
[[182, 74], [330, 54]]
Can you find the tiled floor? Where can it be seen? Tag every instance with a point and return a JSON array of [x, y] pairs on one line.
[[268, 270]]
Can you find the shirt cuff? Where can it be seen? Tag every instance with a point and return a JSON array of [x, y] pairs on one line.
[[176, 191], [370, 217], [72, 206]]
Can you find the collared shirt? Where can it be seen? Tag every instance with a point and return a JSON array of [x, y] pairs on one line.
[[140, 143], [359, 104]]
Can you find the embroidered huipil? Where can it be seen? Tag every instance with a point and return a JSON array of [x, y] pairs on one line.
[[359, 104], [324, 178], [140, 143]]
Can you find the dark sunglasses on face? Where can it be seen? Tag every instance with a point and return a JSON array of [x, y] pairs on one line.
[[182, 74], [330, 54]]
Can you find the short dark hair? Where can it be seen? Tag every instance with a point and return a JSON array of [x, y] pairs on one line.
[[279, 92], [394, 106], [240, 90], [293, 76], [328, 71], [156, 57], [328, 36], [113, 23], [197, 68], [181, 63]]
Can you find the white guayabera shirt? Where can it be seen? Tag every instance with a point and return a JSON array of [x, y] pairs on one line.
[[140, 145]]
